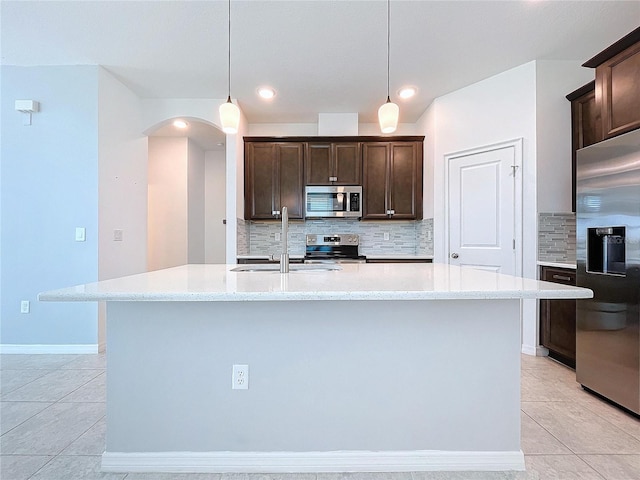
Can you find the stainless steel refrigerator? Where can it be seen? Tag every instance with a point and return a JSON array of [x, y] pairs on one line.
[[608, 258]]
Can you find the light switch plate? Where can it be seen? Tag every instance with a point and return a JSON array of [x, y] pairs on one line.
[[81, 234]]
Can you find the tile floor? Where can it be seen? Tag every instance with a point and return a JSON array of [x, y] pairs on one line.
[[52, 427]]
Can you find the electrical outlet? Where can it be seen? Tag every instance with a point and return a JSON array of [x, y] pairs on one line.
[[240, 377], [428, 235], [24, 306], [117, 235], [277, 236], [386, 235]]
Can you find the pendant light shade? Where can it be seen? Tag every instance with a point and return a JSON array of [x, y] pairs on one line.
[[229, 113], [388, 116], [229, 117], [389, 111]]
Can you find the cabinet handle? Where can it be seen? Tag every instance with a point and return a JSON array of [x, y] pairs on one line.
[[333, 179], [391, 212], [561, 277], [275, 213]]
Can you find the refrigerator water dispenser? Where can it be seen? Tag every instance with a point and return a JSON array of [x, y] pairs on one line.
[[606, 250]]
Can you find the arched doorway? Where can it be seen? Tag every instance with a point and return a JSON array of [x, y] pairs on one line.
[[186, 195]]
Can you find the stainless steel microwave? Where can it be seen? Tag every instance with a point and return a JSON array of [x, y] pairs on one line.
[[333, 201]]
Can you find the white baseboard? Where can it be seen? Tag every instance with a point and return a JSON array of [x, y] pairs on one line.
[[529, 350], [298, 462], [49, 349]]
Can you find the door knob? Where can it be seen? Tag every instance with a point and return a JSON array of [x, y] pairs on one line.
[[454, 255]]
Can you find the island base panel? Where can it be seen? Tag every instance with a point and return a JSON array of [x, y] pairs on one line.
[[430, 385]]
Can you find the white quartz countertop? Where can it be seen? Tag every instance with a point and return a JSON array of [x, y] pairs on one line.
[[544, 263], [381, 281], [399, 257]]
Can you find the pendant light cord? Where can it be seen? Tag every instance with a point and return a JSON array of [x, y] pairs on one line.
[[229, 59], [388, 45]]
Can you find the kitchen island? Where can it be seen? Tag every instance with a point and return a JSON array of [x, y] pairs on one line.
[[373, 367]]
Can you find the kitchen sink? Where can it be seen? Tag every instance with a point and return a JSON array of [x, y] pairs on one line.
[[293, 268]]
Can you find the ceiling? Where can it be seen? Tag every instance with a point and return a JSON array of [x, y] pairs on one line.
[[320, 56]]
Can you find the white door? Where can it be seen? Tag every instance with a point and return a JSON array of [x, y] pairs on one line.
[[483, 206]]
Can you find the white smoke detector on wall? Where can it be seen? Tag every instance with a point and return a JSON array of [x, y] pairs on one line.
[[27, 107]]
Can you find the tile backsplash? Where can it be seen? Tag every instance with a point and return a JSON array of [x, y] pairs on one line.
[[557, 237], [405, 237]]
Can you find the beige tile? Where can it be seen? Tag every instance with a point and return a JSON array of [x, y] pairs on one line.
[[13, 414], [91, 362], [364, 476], [612, 414], [473, 476], [536, 440], [12, 379], [615, 467], [21, 467], [91, 442], [92, 391], [52, 387], [581, 430], [178, 476], [65, 467], [22, 362], [52, 430], [559, 467]]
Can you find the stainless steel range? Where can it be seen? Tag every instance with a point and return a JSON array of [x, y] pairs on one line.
[[333, 248]]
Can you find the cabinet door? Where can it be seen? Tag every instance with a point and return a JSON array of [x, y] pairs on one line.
[[558, 319], [290, 180], [584, 120], [375, 177], [318, 162], [260, 172], [618, 92], [404, 199], [347, 164]]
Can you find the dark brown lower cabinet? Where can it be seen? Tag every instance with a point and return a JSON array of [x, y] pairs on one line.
[[558, 319]]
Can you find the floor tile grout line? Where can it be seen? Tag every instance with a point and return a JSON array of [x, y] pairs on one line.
[[604, 477], [31, 381], [32, 416]]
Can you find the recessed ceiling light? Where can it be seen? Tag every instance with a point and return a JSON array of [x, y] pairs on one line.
[[266, 92], [407, 92], [180, 124]]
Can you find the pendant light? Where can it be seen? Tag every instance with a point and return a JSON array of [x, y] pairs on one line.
[[229, 113], [388, 112]]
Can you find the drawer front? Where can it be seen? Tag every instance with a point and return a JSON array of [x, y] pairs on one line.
[[559, 275]]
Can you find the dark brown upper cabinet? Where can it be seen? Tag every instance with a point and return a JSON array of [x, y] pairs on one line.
[[273, 178], [617, 87], [333, 164], [584, 118], [392, 180]]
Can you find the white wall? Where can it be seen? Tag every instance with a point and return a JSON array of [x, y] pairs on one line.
[[122, 150], [215, 204], [49, 187], [167, 221], [122, 188], [311, 129], [494, 110], [195, 203], [554, 80]]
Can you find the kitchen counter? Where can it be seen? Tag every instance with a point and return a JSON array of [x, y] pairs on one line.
[[419, 370], [218, 283], [543, 263], [400, 257]]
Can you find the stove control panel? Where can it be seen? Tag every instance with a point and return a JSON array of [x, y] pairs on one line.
[[333, 239]]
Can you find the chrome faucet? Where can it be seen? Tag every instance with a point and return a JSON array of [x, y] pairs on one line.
[[284, 256]]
